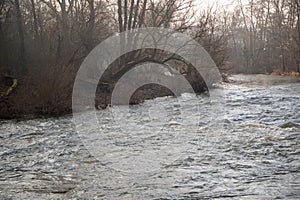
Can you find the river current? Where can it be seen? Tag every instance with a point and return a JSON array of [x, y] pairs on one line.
[[166, 148]]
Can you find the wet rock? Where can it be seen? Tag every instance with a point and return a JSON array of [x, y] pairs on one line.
[[226, 121], [102, 106], [289, 125]]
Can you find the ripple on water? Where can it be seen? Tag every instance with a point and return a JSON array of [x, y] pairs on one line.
[[255, 156]]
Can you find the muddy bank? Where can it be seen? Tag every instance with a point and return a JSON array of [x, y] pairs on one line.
[[146, 92]]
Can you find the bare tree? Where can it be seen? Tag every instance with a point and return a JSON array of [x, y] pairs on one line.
[[297, 8], [36, 32], [22, 57]]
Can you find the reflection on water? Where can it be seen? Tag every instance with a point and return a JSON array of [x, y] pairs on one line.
[[255, 156]]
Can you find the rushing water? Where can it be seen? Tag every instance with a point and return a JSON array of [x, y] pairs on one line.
[[255, 154]]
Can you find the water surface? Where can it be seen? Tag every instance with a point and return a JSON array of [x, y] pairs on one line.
[[255, 155]]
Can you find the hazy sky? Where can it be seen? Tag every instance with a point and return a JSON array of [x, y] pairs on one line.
[[205, 3]]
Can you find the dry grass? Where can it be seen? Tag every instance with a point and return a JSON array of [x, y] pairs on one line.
[[280, 73], [47, 90]]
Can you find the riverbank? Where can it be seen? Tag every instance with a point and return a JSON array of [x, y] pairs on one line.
[[263, 79], [15, 106], [25, 103]]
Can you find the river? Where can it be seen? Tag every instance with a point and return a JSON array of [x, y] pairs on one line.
[[165, 149]]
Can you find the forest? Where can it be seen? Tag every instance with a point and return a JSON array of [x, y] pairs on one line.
[[44, 42]]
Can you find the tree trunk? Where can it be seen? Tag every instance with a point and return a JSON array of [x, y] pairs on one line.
[[91, 24], [136, 13], [298, 26], [125, 14], [120, 19], [130, 15], [34, 20], [22, 59], [64, 18], [143, 13], [63, 45]]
